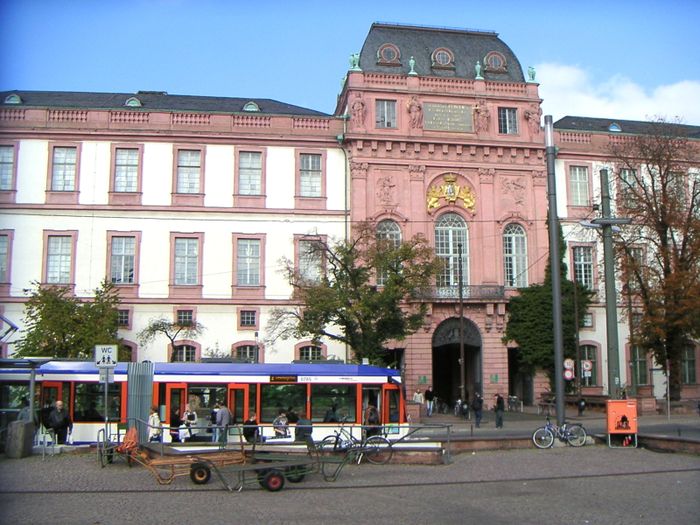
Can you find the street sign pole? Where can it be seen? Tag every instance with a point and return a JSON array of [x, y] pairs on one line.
[[106, 361]]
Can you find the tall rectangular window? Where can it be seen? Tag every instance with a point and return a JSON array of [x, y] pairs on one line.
[[248, 262], [4, 258], [385, 113], [126, 170], [310, 175], [250, 173], [688, 376], [508, 121], [189, 166], [638, 360], [578, 186], [628, 187], [7, 167], [186, 261], [583, 265], [122, 260], [58, 259], [310, 261], [515, 256], [64, 168]]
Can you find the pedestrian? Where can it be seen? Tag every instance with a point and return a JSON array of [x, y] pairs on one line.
[[175, 423], [60, 422], [500, 407], [154, 425], [478, 407], [189, 417], [280, 424], [250, 428], [223, 419], [418, 396], [371, 421], [331, 414], [25, 414], [429, 397]]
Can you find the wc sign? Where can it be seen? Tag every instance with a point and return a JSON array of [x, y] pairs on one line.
[[105, 356]]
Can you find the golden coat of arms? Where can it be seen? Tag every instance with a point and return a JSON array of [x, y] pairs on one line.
[[451, 192]]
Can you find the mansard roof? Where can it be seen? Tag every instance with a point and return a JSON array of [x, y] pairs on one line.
[[153, 101], [630, 127], [421, 42]]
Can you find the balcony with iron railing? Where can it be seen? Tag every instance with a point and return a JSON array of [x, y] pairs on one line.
[[470, 292]]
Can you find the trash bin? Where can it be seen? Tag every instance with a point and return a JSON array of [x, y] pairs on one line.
[[20, 439], [622, 423]]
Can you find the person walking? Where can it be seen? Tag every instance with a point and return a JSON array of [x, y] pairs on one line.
[[500, 408], [223, 419], [154, 425], [60, 422], [429, 400], [478, 408]]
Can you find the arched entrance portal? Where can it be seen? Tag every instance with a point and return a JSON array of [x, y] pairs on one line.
[[446, 368]]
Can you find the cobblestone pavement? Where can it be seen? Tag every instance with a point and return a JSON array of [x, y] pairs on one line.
[[593, 484]]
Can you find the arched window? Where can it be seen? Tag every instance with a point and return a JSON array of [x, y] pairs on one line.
[[515, 256], [450, 234], [389, 231], [311, 353], [184, 354]]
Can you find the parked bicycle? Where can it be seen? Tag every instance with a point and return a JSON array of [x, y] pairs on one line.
[[377, 449], [573, 434]]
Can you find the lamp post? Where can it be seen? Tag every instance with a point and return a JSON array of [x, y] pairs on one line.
[[555, 262], [607, 222], [462, 387]]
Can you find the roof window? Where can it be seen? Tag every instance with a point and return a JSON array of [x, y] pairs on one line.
[[614, 127], [133, 102], [251, 106], [14, 98], [388, 55], [443, 58], [495, 62]]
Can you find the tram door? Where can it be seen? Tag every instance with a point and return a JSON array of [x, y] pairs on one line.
[[52, 391], [175, 399], [237, 401]]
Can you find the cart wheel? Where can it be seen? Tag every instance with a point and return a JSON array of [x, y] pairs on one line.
[[274, 480], [200, 473], [295, 474]]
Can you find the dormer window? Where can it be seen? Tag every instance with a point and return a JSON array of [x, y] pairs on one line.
[[133, 102], [443, 58], [388, 55], [13, 99], [495, 62], [251, 106], [614, 127]]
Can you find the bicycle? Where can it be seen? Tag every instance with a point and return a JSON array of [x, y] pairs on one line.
[[573, 434], [377, 449]]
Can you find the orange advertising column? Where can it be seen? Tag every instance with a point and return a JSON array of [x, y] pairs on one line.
[[622, 423]]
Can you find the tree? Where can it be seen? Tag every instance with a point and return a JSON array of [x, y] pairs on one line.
[[344, 302], [530, 322], [659, 254], [171, 330], [59, 324]]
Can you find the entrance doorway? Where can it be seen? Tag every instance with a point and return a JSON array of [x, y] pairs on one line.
[[446, 366]]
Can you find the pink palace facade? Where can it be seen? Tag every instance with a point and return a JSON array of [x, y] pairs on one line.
[[444, 140]]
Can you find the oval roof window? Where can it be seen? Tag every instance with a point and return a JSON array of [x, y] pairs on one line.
[[251, 106]]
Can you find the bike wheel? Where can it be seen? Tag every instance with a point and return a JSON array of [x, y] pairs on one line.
[[378, 450], [576, 435], [328, 445], [543, 437]]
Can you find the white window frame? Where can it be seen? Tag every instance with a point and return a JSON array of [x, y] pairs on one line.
[[189, 171], [515, 256], [579, 185], [583, 265], [126, 170], [250, 172], [450, 231], [248, 261], [64, 168], [122, 259], [385, 114], [508, 121], [186, 261], [310, 175]]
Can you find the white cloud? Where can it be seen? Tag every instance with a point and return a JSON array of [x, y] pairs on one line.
[[569, 90]]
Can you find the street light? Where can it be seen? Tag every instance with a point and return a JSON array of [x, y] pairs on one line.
[[608, 223]]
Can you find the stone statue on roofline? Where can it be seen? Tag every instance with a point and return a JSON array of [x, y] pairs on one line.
[[355, 62], [530, 74], [477, 68]]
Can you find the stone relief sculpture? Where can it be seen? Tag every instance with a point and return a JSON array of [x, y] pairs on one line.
[[483, 116], [357, 110], [358, 169], [515, 188], [533, 117], [385, 190], [415, 113]]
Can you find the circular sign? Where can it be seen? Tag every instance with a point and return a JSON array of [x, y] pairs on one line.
[[568, 374], [569, 363], [587, 365]]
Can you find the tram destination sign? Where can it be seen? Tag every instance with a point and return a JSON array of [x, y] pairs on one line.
[[447, 117], [283, 379]]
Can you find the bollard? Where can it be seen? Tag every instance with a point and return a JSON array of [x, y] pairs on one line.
[[20, 439]]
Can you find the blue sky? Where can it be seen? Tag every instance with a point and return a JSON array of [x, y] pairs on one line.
[[623, 59]]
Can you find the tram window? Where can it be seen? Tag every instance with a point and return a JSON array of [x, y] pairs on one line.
[[202, 399], [11, 397], [393, 399], [323, 397], [274, 397], [252, 398], [90, 402]]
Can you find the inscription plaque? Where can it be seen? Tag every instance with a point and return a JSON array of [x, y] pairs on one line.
[[447, 117]]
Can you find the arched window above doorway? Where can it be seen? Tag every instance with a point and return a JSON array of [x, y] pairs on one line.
[[389, 231], [451, 237]]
